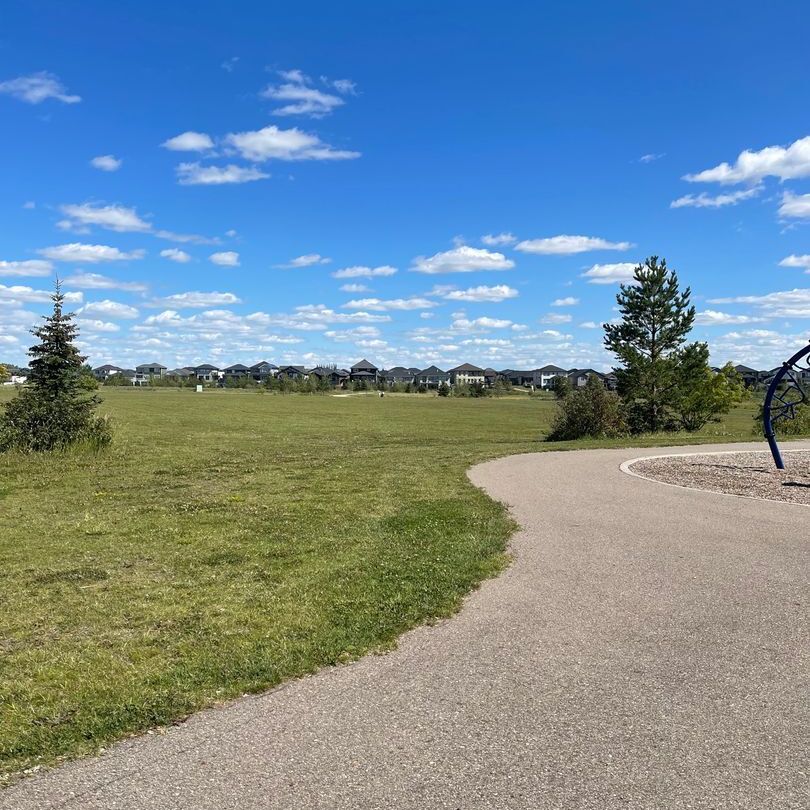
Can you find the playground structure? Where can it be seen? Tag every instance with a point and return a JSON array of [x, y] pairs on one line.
[[788, 388]]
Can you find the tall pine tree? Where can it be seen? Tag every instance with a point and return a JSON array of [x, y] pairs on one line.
[[656, 318], [51, 410]]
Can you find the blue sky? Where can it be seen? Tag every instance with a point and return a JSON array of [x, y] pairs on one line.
[[409, 182]]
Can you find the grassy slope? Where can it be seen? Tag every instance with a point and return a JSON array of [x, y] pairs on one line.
[[231, 540]]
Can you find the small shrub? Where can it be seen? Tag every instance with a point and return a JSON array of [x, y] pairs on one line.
[[590, 412]]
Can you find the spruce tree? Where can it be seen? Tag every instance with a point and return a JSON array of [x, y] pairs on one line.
[[656, 318], [52, 411]]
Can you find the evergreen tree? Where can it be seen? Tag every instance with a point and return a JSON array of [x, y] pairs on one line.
[[52, 410], [656, 318]]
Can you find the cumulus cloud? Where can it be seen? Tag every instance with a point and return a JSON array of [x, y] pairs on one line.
[[619, 273], [189, 142], [361, 271], [29, 267], [354, 288], [381, 305], [568, 301], [107, 163], [556, 317], [273, 143], [38, 87], [95, 325], [91, 254], [483, 324], [785, 162], [176, 255], [307, 260], [704, 200], [28, 295], [352, 335], [783, 304], [795, 206], [565, 245], [109, 309], [498, 239], [225, 258], [462, 259], [793, 260], [711, 317], [314, 317], [302, 98], [198, 299], [651, 157], [195, 174], [96, 281], [111, 217], [589, 325], [500, 292]]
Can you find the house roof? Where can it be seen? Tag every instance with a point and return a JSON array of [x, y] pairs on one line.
[[362, 374], [364, 365], [205, 367], [299, 369], [430, 370], [398, 371], [262, 364], [179, 372], [745, 369], [237, 367], [108, 367], [490, 372], [149, 365], [323, 371], [467, 367], [551, 369], [579, 372]]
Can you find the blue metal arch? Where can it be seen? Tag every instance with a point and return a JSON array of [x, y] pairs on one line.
[[782, 404]]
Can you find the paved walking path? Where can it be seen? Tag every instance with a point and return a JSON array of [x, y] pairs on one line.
[[647, 649]]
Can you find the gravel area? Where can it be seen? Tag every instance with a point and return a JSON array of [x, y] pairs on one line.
[[750, 474]]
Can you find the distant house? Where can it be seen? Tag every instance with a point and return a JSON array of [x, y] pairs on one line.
[[236, 371], [364, 371], [103, 372], [336, 377], [263, 371], [544, 377], [150, 369], [431, 377], [466, 374], [490, 376], [206, 372], [537, 378], [397, 375], [179, 374], [292, 372], [750, 376], [578, 377], [611, 381]]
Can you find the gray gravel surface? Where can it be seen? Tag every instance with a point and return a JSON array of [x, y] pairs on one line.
[[752, 475], [647, 649]]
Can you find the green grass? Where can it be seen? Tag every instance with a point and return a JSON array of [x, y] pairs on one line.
[[230, 540]]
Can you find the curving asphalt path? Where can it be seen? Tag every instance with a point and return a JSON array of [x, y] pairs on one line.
[[647, 649]]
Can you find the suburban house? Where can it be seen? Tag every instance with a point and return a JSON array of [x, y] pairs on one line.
[[263, 371], [150, 370], [206, 372], [431, 377], [750, 376], [236, 371], [292, 372], [336, 377], [103, 372], [579, 376], [490, 376], [545, 375], [364, 371], [179, 373], [538, 377], [466, 374], [398, 374]]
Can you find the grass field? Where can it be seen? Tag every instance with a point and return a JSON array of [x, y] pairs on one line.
[[230, 540]]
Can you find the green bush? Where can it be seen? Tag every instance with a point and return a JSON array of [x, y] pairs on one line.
[[590, 412]]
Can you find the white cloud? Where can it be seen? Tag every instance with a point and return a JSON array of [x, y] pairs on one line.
[[704, 200], [354, 288], [92, 254], [351, 335], [273, 143], [621, 272], [28, 267], [462, 259], [793, 260], [482, 324], [556, 317], [112, 217], [786, 163], [225, 258], [381, 305], [711, 317], [313, 317], [568, 301], [109, 309], [565, 245], [29, 295], [795, 206], [198, 299], [495, 240], [307, 260], [194, 174], [230, 64], [176, 255], [360, 271], [651, 157], [783, 304], [500, 292], [189, 142], [302, 97], [589, 325], [37, 87], [95, 281], [93, 325], [107, 163]]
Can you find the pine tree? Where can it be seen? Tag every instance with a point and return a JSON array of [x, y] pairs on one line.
[[52, 411], [656, 318]]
